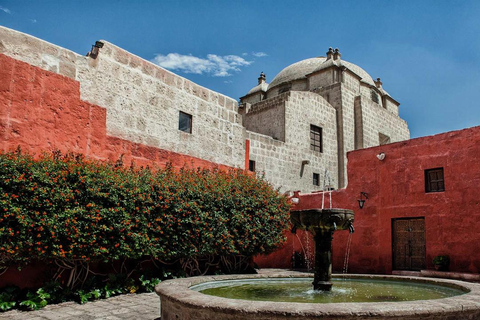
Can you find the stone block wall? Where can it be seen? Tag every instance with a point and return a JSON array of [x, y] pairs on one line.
[[302, 110], [268, 117], [143, 102], [281, 161], [320, 79], [376, 119], [351, 81], [390, 106], [39, 53]]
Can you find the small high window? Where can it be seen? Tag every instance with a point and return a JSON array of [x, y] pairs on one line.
[[374, 96], [251, 165], [316, 138], [434, 181], [185, 122], [316, 179]]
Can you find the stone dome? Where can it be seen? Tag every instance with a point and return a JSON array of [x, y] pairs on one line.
[[300, 70]]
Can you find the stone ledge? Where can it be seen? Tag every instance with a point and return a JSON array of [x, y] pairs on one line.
[[474, 277]]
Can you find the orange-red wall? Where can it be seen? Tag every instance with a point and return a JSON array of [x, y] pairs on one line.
[[42, 111], [396, 189]]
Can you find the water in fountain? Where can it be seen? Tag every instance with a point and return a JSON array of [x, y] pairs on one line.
[[347, 252], [346, 290], [308, 253]]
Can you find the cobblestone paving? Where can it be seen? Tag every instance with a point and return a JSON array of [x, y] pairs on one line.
[[145, 306]]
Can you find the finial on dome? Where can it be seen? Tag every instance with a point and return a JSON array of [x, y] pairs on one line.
[[378, 83], [336, 54], [262, 78], [329, 53]]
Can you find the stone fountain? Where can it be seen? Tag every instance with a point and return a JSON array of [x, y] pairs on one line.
[[182, 298], [322, 223]]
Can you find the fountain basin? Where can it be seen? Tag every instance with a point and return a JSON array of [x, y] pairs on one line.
[[324, 219], [178, 301]]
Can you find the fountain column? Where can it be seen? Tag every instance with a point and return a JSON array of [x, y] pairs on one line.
[[323, 259], [322, 223]]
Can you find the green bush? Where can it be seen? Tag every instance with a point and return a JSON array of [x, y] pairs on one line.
[[74, 212]]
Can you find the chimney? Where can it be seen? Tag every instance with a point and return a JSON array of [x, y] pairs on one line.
[[329, 53], [262, 78], [378, 83], [336, 54]]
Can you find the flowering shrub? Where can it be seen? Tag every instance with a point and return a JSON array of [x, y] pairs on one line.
[[73, 211]]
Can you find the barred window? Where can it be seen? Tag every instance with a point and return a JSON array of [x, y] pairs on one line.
[[434, 181], [316, 179], [316, 138]]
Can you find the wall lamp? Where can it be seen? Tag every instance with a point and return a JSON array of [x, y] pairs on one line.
[[95, 47], [361, 201]]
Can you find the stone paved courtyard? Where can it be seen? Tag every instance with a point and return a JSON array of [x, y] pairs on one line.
[[145, 306]]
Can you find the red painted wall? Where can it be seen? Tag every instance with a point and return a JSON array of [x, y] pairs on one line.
[[396, 189], [42, 111]]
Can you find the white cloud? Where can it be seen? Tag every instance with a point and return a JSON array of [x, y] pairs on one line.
[[259, 54], [5, 10], [33, 20], [218, 66]]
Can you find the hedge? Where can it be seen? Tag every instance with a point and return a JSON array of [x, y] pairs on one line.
[[75, 211]]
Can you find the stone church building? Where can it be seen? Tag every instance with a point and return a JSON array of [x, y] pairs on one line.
[[111, 103], [315, 111]]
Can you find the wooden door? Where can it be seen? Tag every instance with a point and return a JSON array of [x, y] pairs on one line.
[[408, 244]]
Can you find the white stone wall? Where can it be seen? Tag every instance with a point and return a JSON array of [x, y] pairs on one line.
[[376, 119], [268, 117], [143, 102], [301, 85], [302, 110], [320, 79], [39, 53], [391, 106], [254, 98], [351, 82]]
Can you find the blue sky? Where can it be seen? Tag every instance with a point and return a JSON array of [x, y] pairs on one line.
[[427, 53]]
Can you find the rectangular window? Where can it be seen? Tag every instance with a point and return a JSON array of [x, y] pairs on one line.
[[434, 180], [316, 179], [374, 96], [316, 138], [185, 122], [251, 165]]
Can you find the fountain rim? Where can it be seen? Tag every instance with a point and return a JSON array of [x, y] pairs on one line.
[[178, 291]]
